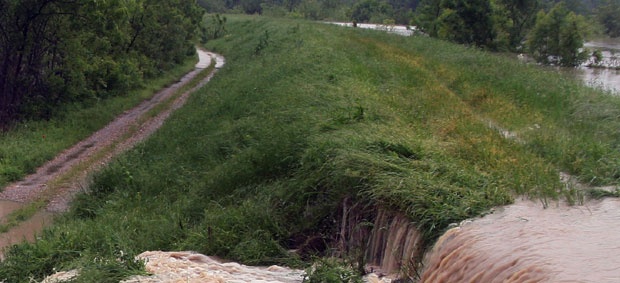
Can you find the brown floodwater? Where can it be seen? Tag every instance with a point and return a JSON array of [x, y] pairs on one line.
[[26, 230], [7, 206], [604, 78], [524, 242]]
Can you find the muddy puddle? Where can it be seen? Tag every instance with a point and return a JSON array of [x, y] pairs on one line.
[[26, 230], [7, 206], [526, 243]]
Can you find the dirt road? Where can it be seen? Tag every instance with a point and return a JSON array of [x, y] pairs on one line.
[[59, 179]]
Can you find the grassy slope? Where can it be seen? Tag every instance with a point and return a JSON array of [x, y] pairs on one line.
[[304, 115], [32, 143]]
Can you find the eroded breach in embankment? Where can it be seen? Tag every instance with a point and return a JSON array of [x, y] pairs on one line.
[[395, 243], [525, 243]]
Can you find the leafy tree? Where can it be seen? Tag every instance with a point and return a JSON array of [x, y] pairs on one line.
[[367, 10], [427, 16], [58, 51], [597, 56], [403, 10], [558, 37], [576, 6], [213, 6], [520, 15], [467, 21], [609, 16], [31, 49], [310, 9], [494, 24], [251, 7], [214, 30]]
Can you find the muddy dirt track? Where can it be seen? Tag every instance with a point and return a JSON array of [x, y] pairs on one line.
[[59, 179]]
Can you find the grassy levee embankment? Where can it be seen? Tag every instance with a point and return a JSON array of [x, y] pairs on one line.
[[305, 115]]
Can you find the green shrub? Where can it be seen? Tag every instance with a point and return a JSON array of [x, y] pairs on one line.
[[331, 271]]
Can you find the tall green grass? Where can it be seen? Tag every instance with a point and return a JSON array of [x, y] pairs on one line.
[[258, 162], [31, 143]]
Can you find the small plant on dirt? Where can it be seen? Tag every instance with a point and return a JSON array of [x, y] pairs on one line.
[[331, 270]]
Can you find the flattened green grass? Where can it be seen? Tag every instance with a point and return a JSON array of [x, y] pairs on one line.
[[304, 115]]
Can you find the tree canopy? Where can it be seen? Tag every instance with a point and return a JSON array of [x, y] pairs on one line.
[[609, 16], [466, 21], [59, 51], [554, 37], [557, 37], [505, 22], [366, 10]]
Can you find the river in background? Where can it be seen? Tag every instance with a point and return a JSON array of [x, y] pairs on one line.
[[606, 77]]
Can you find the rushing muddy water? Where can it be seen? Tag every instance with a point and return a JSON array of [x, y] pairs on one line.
[[395, 29], [7, 206], [526, 243], [191, 267]]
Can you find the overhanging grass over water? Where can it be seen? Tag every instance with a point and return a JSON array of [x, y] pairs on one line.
[[304, 115]]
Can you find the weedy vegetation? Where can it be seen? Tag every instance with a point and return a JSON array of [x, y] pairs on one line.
[[329, 270], [304, 115], [31, 143]]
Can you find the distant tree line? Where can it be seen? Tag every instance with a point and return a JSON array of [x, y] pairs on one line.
[[609, 16], [377, 11], [57, 51], [552, 31]]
